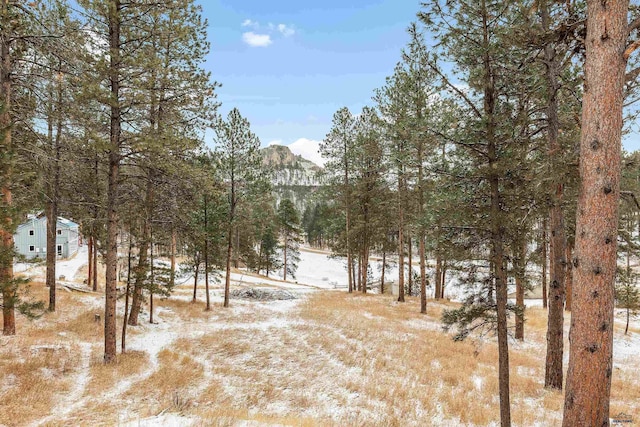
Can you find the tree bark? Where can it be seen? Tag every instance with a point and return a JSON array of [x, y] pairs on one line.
[[95, 264], [520, 261], [50, 278], [628, 285], [497, 226], [438, 292], [6, 236], [423, 276], [384, 262], [400, 254], [123, 341], [54, 197], [347, 210], [591, 337], [152, 284], [568, 280], [113, 185], [286, 238], [172, 277], [227, 281], [143, 260], [444, 277], [359, 275], [410, 263], [544, 263], [206, 260], [89, 262], [195, 277], [555, 323], [365, 265]]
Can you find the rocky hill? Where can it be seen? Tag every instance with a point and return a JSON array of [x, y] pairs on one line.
[[292, 176]]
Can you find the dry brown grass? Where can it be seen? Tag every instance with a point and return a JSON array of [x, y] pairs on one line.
[[104, 377], [331, 359], [30, 385], [170, 384]]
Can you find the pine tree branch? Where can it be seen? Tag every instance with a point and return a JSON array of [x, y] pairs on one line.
[[632, 47], [630, 194]]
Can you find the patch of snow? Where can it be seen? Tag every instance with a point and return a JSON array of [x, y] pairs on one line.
[[69, 267], [163, 420], [477, 382]]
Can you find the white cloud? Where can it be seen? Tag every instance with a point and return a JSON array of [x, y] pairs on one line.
[[274, 142], [256, 40], [309, 149], [285, 30], [248, 23]]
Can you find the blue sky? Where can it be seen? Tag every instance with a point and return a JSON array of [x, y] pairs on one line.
[[289, 65], [322, 56]]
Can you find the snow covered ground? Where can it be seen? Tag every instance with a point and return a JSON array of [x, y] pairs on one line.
[[275, 360], [67, 268]]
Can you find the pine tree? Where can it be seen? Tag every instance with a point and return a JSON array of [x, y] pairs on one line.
[[18, 39], [239, 166], [591, 346], [488, 154], [337, 148], [289, 224]]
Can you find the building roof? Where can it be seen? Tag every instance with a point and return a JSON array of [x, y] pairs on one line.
[[62, 222]]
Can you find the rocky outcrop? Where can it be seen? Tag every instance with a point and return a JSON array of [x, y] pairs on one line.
[[292, 176]]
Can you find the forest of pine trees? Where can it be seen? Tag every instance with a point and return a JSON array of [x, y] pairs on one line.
[[492, 151]]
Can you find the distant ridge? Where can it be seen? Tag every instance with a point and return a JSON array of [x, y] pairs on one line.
[[292, 176], [280, 157]]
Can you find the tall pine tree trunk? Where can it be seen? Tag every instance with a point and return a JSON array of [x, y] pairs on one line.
[[95, 264], [172, 277], [113, 185], [423, 275], [591, 343], [444, 277], [123, 340], [284, 277], [498, 233], [410, 263], [195, 277], [555, 323], [544, 262], [152, 283], [227, 281], [54, 196], [50, 278], [363, 267], [627, 285], [400, 245], [384, 265], [520, 261], [6, 236], [568, 280], [94, 232], [438, 292], [90, 261], [206, 258], [359, 275], [143, 260]]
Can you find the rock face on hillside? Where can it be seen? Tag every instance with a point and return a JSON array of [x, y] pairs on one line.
[[292, 176]]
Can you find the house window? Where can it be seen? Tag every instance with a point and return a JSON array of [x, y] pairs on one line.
[[32, 248], [59, 232], [31, 232], [60, 250]]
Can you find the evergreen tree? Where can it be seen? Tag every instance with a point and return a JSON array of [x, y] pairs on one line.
[[591, 346], [289, 225], [337, 148], [239, 167]]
